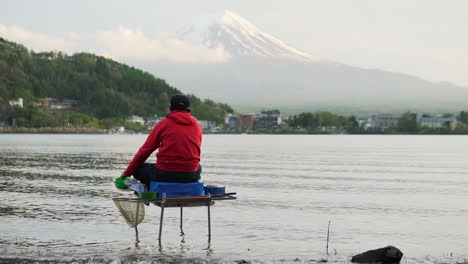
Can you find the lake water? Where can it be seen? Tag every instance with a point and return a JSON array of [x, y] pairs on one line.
[[407, 191]]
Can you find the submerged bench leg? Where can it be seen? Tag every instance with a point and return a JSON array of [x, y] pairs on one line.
[[162, 217], [181, 218], [209, 223], [136, 224], [161, 223]]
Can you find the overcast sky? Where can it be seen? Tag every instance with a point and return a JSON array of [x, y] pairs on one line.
[[426, 38]]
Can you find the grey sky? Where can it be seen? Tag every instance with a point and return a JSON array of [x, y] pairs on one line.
[[426, 38]]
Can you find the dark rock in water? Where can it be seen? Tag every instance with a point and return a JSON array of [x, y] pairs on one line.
[[242, 261], [386, 255], [319, 261]]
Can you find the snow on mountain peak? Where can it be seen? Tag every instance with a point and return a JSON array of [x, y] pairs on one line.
[[240, 37], [232, 19]]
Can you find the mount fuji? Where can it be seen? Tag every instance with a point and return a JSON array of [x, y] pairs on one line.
[[263, 71], [241, 38]]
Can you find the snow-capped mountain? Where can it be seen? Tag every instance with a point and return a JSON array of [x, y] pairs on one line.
[[263, 71], [239, 37]]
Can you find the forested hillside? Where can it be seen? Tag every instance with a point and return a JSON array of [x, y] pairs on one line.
[[104, 88]]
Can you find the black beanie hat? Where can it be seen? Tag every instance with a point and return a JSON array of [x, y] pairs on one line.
[[180, 102]]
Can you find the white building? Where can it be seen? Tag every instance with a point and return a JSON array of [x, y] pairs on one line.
[[436, 122], [17, 102], [380, 122]]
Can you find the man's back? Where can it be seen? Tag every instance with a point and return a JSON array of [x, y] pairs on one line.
[[180, 142]]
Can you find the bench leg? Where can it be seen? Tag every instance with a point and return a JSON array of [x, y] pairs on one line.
[[181, 220], [136, 224], [161, 223], [209, 224], [181, 217]]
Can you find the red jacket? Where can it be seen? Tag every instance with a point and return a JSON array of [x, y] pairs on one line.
[[178, 137]]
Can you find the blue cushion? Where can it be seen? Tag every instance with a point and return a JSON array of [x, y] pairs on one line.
[[174, 189]]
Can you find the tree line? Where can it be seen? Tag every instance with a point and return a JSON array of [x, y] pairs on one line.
[[317, 122], [314, 122]]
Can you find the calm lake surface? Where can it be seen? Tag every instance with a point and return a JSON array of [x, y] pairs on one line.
[[407, 191]]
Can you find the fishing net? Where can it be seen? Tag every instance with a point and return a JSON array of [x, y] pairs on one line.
[[132, 210]]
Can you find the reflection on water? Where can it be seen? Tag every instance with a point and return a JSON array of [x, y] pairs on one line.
[[409, 191]]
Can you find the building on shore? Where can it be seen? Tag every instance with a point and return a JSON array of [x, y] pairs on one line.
[[230, 122], [207, 124], [246, 121], [18, 102], [380, 122], [53, 103], [268, 119], [436, 122], [42, 102], [265, 119]]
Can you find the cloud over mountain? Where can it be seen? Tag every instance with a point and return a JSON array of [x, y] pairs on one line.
[[126, 43], [121, 43], [38, 41]]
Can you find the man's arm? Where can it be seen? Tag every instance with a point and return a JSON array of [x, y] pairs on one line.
[[151, 144]]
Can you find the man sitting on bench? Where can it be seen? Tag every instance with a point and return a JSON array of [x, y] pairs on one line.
[[178, 138]]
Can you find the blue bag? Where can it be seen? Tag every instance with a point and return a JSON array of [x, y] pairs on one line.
[[216, 190], [175, 189]]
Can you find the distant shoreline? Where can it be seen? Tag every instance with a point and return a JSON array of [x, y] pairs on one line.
[[52, 130], [100, 131]]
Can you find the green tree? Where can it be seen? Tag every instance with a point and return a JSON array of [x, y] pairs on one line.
[[307, 120], [407, 123], [352, 125], [463, 117], [326, 119]]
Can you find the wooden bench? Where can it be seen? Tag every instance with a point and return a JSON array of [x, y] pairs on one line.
[[181, 202]]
